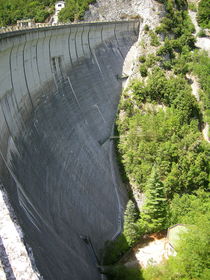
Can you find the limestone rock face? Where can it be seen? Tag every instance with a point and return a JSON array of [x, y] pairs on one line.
[[148, 10]]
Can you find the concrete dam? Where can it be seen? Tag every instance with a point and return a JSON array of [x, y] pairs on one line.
[[59, 91]]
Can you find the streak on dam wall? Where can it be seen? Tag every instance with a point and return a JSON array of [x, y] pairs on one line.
[[59, 91]]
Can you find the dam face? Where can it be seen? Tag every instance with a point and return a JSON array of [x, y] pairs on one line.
[[59, 91]]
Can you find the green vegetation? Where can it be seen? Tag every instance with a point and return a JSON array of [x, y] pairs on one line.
[[115, 250], [193, 7], [154, 39], [142, 59], [143, 70], [201, 33], [200, 66], [162, 149], [153, 216], [13, 10], [120, 272], [131, 229], [204, 13], [74, 10], [192, 260]]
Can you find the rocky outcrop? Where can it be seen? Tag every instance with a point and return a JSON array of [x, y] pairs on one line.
[[147, 10]]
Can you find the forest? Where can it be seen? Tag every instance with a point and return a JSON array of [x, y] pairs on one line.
[[13, 10], [162, 153], [74, 10], [40, 10]]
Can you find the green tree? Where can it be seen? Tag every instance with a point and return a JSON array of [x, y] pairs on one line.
[[192, 260], [131, 229], [153, 216], [204, 13]]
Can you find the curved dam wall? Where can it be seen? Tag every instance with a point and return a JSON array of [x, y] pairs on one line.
[[59, 91]]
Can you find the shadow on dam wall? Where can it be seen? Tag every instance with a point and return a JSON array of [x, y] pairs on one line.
[[59, 94]]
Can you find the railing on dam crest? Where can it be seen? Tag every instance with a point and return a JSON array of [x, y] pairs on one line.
[[38, 26]]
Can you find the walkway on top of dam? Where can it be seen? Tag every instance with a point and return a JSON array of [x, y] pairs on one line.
[[13, 30]]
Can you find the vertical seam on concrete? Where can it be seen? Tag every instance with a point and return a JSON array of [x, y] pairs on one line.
[[50, 61], [12, 83], [115, 25], [75, 43], [24, 70], [136, 27], [50, 57], [82, 43], [7, 124], [11, 77], [69, 47], [128, 27], [37, 64], [89, 41], [134, 30], [102, 33], [102, 37]]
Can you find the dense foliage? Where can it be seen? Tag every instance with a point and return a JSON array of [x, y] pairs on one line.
[[13, 10], [192, 260], [162, 149], [204, 13], [167, 137], [154, 210], [130, 227], [74, 10], [200, 65], [120, 272]]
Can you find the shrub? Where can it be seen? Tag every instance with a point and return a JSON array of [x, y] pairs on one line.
[[201, 33], [142, 58], [143, 70], [114, 250], [204, 13], [192, 7], [146, 28], [154, 39], [120, 272]]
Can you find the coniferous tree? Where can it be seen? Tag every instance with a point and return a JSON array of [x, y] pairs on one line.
[[131, 230], [153, 215]]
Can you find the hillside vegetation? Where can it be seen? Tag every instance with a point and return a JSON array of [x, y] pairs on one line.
[[13, 10], [162, 151], [40, 10], [74, 10], [204, 13]]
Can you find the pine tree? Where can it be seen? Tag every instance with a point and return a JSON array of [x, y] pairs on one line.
[[153, 215], [131, 229]]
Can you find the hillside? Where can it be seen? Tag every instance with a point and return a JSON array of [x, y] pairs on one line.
[[40, 11], [163, 154]]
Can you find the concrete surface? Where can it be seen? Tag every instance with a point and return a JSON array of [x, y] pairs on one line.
[[58, 99]]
